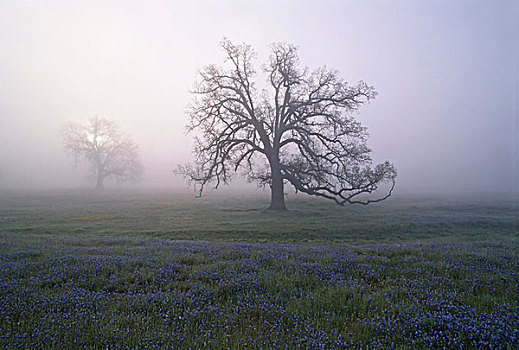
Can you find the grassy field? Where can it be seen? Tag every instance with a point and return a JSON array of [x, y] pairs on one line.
[[163, 270], [218, 217]]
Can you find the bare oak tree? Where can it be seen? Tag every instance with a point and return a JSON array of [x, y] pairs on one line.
[[299, 131], [110, 152]]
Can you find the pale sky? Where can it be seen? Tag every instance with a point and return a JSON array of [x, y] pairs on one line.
[[446, 73]]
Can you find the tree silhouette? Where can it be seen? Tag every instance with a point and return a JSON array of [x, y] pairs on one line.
[[299, 131], [110, 152]]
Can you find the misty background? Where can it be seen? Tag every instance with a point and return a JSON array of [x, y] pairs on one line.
[[446, 73]]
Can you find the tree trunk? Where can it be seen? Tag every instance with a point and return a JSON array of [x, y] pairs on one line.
[[277, 198], [100, 178]]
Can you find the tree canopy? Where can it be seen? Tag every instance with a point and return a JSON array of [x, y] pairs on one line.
[[299, 130], [110, 152]]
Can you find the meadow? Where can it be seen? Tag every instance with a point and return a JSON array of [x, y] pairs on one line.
[[161, 269]]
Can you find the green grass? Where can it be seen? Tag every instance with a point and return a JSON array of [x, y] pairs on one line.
[[174, 216]]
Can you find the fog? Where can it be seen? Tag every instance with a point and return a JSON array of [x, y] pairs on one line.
[[446, 73]]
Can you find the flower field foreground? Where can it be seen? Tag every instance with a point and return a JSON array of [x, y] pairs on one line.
[[146, 293]]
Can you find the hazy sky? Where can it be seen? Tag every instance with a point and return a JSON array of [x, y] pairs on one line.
[[446, 73]]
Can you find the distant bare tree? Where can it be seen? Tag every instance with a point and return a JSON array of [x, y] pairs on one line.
[[110, 152], [300, 131]]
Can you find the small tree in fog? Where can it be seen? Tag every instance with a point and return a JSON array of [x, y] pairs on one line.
[[299, 131], [110, 152]]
